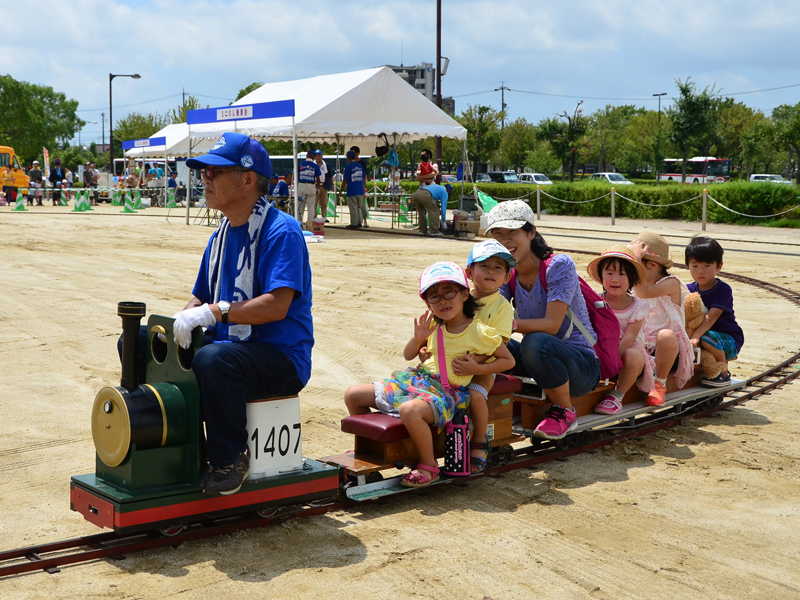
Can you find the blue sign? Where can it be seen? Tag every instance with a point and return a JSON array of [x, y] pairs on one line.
[[145, 143], [241, 112]]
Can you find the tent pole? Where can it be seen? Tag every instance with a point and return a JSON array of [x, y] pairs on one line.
[[166, 176], [294, 164], [189, 177]]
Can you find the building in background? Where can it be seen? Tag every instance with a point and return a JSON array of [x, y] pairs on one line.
[[423, 78]]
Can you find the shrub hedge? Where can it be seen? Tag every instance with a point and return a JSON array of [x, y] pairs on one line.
[[744, 197]]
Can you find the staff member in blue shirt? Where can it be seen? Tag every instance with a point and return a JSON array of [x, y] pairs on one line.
[[308, 181], [353, 181], [431, 199]]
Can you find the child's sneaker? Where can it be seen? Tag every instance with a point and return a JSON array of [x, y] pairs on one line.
[[657, 396], [558, 422], [720, 380], [609, 405]]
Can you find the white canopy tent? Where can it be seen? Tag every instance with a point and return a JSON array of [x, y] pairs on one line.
[[177, 144], [346, 108]]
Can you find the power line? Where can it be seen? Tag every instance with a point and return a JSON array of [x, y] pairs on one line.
[[473, 94], [129, 105], [784, 87], [574, 97], [214, 97]]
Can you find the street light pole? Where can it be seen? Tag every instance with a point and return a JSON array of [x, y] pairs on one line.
[[658, 135], [111, 119], [438, 140]]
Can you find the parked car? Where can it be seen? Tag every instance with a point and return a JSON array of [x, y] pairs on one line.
[[503, 176], [483, 178], [448, 178], [766, 178], [615, 178], [536, 178]]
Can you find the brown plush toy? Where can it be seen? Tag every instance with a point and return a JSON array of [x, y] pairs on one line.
[[693, 307]]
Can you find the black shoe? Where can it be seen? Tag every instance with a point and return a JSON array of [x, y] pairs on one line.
[[720, 380], [224, 481], [352, 226]]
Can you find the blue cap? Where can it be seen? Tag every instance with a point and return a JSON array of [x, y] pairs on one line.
[[235, 150], [483, 250], [318, 152], [350, 154]]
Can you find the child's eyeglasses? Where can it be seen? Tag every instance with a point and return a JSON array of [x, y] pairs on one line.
[[436, 298]]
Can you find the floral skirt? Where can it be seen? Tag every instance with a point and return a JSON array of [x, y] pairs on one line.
[[418, 383]]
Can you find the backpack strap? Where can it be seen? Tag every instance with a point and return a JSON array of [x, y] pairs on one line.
[[441, 359], [573, 320]]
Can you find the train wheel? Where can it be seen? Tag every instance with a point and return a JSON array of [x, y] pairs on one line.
[[375, 477], [266, 513], [506, 454], [172, 530]]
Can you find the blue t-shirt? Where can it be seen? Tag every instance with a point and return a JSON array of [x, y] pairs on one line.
[[282, 262], [279, 189], [721, 296], [171, 183], [562, 285], [439, 192], [308, 171], [355, 175]]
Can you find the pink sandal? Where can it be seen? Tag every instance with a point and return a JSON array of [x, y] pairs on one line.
[[420, 478], [609, 405]]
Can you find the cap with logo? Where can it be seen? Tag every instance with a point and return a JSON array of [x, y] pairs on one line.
[[235, 150], [486, 249], [440, 272], [511, 214]]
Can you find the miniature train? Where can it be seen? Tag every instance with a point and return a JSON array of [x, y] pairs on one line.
[[149, 440]]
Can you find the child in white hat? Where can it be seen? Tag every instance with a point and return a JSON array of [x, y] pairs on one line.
[[425, 395]]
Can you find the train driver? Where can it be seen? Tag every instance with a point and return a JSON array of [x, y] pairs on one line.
[[254, 289]]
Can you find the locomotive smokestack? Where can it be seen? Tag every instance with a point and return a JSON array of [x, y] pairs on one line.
[[131, 314]]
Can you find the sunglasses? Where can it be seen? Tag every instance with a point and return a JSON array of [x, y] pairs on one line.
[[436, 298], [211, 172]]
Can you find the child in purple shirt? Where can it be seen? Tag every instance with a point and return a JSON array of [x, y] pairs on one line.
[[719, 333]]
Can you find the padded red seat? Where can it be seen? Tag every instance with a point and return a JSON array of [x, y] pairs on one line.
[[506, 384], [377, 426]]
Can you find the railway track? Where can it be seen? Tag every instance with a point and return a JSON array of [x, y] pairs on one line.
[[51, 556]]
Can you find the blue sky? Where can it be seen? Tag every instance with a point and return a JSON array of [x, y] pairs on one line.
[[621, 49]]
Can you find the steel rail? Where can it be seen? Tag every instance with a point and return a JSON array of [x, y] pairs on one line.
[[46, 557]]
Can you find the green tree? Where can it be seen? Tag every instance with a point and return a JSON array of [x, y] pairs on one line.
[[518, 138], [786, 119], [246, 90], [178, 115], [483, 134], [693, 117], [541, 159], [32, 116], [137, 126], [607, 132], [566, 137]]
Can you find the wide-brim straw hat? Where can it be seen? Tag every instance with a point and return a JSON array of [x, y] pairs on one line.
[[657, 248], [619, 252]]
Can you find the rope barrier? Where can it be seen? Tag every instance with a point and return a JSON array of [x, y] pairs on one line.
[[575, 201], [658, 205], [736, 212]]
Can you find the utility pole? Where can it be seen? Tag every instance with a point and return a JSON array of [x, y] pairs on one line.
[[658, 135], [502, 89], [439, 80], [103, 127]]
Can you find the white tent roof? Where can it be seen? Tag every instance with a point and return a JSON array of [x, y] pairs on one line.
[[355, 106], [177, 144]]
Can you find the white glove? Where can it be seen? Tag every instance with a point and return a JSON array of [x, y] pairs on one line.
[[187, 320]]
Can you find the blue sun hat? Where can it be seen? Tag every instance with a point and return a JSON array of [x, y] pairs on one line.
[[439, 273], [235, 150], [488, 248]]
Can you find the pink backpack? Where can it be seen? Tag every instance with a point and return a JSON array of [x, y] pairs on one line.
[[456, 432], [603, 320]]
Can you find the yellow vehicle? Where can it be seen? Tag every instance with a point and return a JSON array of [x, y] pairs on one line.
[[9, 157]]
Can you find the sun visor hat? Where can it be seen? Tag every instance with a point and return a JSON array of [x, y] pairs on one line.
[[235, 150], [511, 214], [486, 249], [439, 273]]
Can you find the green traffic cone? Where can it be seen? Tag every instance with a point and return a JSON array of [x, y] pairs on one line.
[[171, 201], [116, 198], [128, 205], [137, 201], [20, 205], [78, 202]]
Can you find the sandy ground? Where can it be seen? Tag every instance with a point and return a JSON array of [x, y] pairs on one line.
[[705, 510]]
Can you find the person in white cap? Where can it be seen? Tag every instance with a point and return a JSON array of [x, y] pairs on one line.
[[36, 183], [427, 394], [554, 352]]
